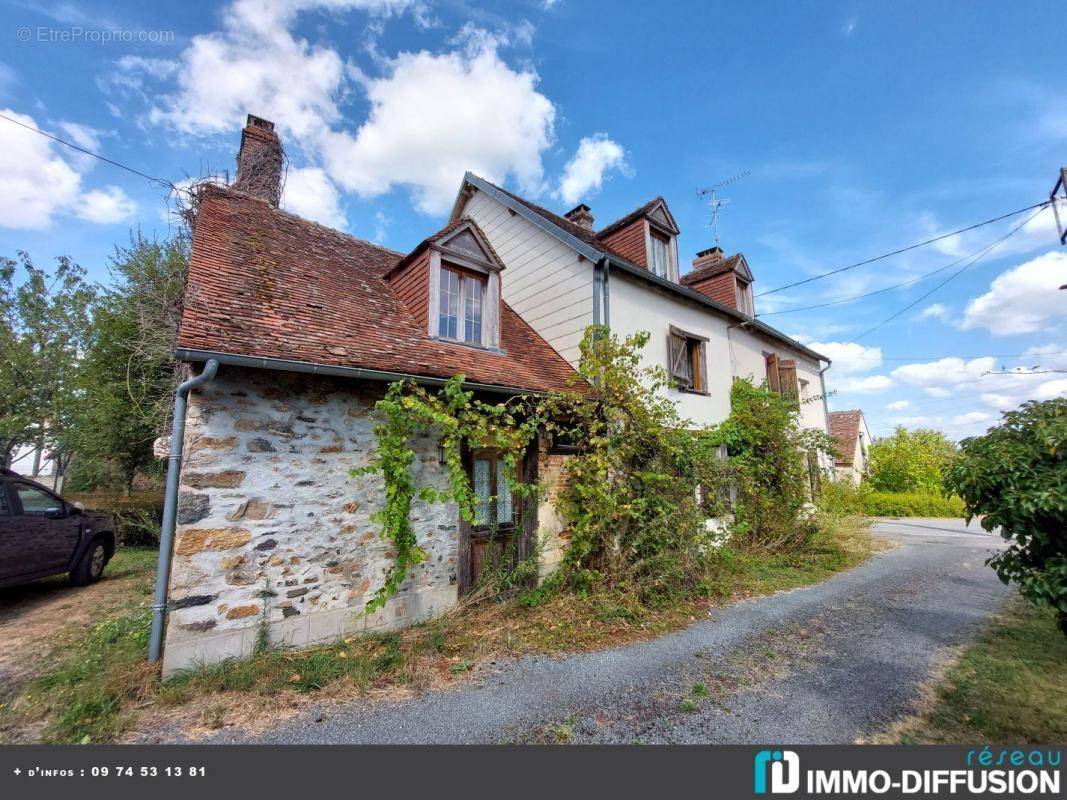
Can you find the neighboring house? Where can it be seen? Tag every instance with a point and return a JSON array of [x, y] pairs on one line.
[[563, 276], [850, 432], [310, 326]]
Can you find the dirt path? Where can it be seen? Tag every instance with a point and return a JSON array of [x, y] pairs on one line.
[[35, 618], [828, 663]]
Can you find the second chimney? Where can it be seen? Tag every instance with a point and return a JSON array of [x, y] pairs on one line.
[[259, 163], [582, 216]]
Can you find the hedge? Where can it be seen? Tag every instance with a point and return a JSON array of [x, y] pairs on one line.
[[137, 516], [911, 504], [843, 497]]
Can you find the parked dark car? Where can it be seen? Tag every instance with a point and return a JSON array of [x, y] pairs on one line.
[[41, 534]]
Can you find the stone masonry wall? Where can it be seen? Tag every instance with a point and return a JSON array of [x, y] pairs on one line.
[[271, 526], [267, 507]]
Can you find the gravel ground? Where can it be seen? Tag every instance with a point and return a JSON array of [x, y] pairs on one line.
[[825, 664]]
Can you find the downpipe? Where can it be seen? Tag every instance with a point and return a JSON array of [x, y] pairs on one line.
[[170, 506]]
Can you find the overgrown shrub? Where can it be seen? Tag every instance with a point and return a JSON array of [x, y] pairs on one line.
[[911, 504], [910, 461], [137, 516], [766, 447], [1015, 476]]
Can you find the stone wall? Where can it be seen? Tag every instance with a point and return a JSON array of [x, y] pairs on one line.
[[272, 527]]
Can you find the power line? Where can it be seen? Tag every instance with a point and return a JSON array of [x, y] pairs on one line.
[[106, 160], [905, 249], [958, 272], [870, 294], [940, 358]]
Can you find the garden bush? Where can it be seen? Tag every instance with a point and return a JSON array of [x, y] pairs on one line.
[[911, 504]]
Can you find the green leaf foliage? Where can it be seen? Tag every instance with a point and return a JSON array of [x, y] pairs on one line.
[[1015, 478], [910, 461]]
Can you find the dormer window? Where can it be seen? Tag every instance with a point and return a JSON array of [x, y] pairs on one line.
[[464, 287], [745, 303], [461, 299], [659, 257]]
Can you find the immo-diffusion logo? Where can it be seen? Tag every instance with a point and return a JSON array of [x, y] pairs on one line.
[[784, 769]]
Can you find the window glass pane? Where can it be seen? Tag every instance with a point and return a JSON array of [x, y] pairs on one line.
[[448, 319], [659, 256], [34, 501], [472, 310], [503, 494], [482, 490]]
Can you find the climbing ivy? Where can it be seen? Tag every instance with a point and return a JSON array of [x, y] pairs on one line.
[[459, 418], [640, 492]]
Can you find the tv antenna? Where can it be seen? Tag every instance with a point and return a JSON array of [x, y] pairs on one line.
[[715, 203]]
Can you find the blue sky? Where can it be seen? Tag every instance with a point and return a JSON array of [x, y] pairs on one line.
[[864, 127]]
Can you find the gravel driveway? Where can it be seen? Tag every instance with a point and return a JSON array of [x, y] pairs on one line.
[[828, 663]]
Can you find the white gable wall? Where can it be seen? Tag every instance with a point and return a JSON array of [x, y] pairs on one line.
[[543, 279]]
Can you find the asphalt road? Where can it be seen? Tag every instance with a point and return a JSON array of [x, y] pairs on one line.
[[825, 664]]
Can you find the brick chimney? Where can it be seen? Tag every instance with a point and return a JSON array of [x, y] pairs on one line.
[[582, 216], [259, 163], [705, 258]]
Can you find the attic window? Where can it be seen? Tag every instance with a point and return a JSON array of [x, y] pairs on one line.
[[460, 306], [660, 253], [744, 298], [687, 354]]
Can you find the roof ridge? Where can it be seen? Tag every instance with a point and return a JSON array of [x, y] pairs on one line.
[[277, 209]]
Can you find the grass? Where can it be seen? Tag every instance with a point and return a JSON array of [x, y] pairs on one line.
[[1010, 686], [100, 684], [89, 680]]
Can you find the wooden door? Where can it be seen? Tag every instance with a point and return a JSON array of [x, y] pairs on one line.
[[502, 534]]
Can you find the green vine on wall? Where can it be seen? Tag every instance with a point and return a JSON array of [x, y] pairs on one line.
[[638, 496], [460, 419]]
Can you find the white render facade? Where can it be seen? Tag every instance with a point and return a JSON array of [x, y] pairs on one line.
[[557, 283]]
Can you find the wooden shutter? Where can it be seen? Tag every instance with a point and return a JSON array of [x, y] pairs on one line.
[[700, 367], [772, 372], [787, 379], [678, 355]]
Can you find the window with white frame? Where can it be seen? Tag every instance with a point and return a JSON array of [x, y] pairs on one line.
[[660, 254], [745, 303], [461, 297]]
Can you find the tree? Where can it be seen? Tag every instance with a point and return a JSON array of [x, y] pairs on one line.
[[128, 372], [44, 325], [910, 461], [1015, 477]]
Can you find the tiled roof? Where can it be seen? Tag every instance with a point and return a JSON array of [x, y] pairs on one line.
[[269, 284], [711, 270], [845, 429], [622, 222]]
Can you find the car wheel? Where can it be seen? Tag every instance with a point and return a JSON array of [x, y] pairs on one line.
[[91, 567]]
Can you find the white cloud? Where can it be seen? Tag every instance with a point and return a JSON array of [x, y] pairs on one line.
[[868, 385], [938, 391], [898, 405], [310, 194], [106, 206], [431, 116], [37, 182], [971, 418], [1051, 389], [434, 116], [848, 358], [1022, 299], [596, 156], [936, 311], [381, 226], [849, 27]]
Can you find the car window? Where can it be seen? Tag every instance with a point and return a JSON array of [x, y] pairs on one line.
[[36, 502]]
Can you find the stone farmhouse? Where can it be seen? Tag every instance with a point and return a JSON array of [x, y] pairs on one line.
[[299, 330]]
